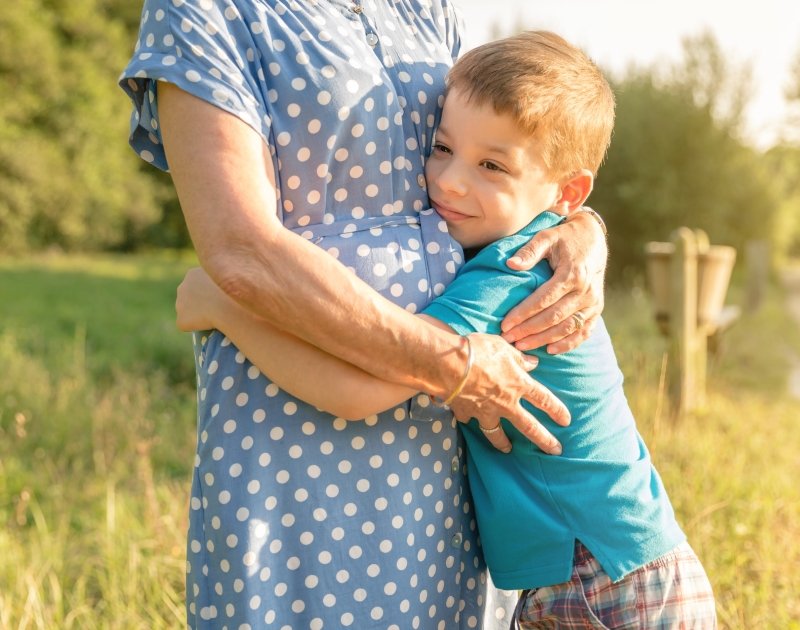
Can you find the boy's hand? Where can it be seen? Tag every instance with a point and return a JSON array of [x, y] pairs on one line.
[[496, 384], [563, 311], [195, 299]]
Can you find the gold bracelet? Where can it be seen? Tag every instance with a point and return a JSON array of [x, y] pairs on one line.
[[595, 216], [463, 380]]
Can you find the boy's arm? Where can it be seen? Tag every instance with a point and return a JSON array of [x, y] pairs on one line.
[[302, 369]]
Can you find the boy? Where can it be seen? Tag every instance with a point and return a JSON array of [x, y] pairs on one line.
[[590, 536]]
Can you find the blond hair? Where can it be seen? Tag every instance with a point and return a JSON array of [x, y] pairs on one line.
[[552, 90]]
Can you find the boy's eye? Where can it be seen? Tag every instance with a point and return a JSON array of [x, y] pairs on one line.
[[438, 146], [492, 167]]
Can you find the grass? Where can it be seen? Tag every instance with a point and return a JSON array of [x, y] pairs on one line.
[[97, 442]]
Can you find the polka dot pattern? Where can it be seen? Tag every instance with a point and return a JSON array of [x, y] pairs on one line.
[[298, 519]]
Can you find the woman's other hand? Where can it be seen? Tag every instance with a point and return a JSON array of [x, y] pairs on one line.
[[194, 303], [496, 383], [563, 311]]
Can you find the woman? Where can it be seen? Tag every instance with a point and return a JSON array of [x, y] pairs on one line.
[[316, 117]]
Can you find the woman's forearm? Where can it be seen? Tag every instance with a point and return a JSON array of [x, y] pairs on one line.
[[301, 369]]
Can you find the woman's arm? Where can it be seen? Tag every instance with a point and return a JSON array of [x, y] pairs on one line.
[[223, 173], [297, 367]]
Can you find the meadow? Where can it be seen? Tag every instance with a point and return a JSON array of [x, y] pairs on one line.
[[97, 439]]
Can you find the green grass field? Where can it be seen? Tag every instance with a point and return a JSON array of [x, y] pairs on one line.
[[96, 447]]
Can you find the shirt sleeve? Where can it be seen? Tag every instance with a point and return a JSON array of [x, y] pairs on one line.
[[201, 48], [483, 292]]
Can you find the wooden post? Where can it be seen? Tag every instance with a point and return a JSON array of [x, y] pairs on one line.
[[683, 321], [700, 334], [688, 278], [757, 272]]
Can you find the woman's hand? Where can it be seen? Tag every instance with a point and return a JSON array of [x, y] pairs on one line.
[[495, 385], [563, 311], [196, 297]]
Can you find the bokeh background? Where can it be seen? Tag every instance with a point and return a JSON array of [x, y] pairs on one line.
[[96, 385]]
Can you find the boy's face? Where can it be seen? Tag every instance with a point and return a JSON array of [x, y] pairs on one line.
[[486, 178]]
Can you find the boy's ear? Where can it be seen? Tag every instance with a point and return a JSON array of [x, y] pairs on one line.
[[574, 191]]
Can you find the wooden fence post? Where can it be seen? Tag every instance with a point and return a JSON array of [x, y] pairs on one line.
[[688, 278], [683, 322], [757, 272]]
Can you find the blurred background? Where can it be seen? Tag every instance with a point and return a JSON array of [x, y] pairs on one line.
[[96, 395]]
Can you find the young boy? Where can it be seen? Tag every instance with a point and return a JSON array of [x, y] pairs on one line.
[[589, 536]]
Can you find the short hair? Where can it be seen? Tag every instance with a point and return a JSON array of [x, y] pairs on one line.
[[553, 91]]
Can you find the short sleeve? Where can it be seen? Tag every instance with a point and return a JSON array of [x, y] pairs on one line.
[[201, 47], [454, 29], [483, 292]]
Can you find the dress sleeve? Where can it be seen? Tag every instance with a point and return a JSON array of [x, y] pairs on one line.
[[455, 27], [201, 47]]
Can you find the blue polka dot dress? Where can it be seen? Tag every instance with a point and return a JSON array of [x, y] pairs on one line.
[[299, 519]]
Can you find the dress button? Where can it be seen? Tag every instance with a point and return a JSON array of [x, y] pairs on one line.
[[372, 39], [455, 541], [421, 180], [454, 465]]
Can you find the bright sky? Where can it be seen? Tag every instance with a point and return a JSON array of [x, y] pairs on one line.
[[616, 33]]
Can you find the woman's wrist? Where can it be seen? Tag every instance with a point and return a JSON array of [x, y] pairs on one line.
[[585, 213], [459, 387]]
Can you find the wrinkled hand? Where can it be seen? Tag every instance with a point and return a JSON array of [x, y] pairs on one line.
[[578, 253], [496, 384], [194, 301]]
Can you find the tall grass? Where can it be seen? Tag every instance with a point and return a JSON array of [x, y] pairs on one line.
[[96, 448], [96, 441]]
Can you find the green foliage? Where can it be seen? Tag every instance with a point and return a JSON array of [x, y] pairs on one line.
[[783, 162], [676, 160], [67, 177]]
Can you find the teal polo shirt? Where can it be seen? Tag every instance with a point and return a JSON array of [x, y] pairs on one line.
[[603, 490]]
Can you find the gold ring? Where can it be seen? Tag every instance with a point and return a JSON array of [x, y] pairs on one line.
[[494, 429], [579, 320]]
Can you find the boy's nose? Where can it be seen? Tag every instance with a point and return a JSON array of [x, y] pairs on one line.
[[451, 179]]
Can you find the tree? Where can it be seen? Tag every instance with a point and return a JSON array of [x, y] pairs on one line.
[[67, 177], [675, 160]]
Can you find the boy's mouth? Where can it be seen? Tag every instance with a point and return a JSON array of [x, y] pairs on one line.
[[448, 213]]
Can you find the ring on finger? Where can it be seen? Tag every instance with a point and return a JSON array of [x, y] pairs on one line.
[[579, 320], [491, 430]]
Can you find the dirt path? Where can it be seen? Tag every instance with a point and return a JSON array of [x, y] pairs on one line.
[[791, 280]]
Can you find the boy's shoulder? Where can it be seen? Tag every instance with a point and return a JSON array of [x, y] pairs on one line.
[[495, 255]]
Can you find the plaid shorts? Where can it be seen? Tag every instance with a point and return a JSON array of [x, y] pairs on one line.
[[670, 593]]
